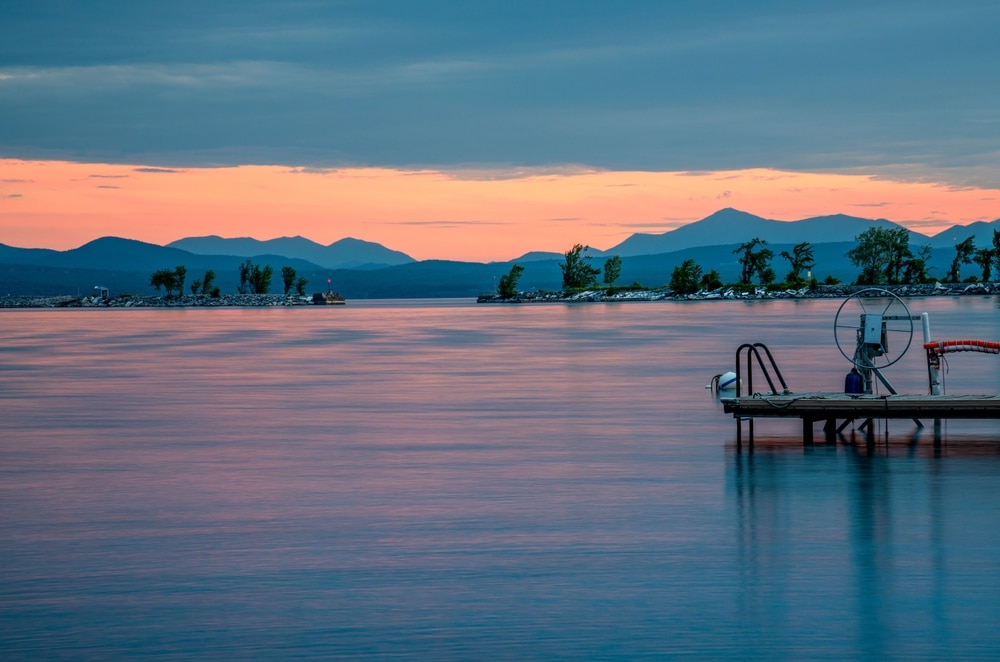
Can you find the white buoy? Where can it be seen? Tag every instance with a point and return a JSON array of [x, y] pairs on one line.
[[727, 381]]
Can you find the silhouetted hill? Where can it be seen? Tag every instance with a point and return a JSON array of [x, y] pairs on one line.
[[734, 226], [346, 253], [538, 256], [981, 230], [131, 255], [438, 278], [125, 265]]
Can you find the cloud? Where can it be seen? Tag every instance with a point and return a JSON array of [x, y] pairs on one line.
[[309, 170], [108, 176], [13, 195], [157, 170], [934, 223], [108, 186], [496, 173], [445, 223], [795, 86], [641, 226]]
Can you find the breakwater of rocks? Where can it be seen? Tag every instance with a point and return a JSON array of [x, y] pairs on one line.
[[729, 294], [129, 301], [722, 294]]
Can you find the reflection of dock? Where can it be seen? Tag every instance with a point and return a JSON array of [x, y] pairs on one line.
[[846, 408]]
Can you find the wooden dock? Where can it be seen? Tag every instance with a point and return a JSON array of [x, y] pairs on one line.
[[846, 408]]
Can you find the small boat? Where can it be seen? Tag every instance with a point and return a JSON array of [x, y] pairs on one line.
[[329, 299]]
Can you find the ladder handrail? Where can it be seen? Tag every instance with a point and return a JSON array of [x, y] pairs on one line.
[[753, 349]]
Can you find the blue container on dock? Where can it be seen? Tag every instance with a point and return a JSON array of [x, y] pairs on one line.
[[853, 383]]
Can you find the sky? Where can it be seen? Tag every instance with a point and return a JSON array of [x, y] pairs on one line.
[[483, 130]]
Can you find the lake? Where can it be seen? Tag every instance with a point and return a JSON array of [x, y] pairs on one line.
[[438, 479]]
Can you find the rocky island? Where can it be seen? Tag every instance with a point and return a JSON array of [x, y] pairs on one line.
[[731, 294], [187, 301]]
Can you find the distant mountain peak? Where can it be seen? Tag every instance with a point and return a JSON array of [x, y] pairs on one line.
[[348, 253], [734, 226]]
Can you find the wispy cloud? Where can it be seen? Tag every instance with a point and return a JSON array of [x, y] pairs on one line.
[[156, 170], [312, 170], [446, 223], [498, 173], [934, 223], [643, 225]]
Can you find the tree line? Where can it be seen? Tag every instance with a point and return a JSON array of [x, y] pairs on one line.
[[254, 279], [883, 255], [577, 273]]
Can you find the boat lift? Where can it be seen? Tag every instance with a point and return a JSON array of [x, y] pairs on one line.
[[880, 337]]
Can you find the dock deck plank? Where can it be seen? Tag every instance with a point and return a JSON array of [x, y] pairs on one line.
[[820, 406]]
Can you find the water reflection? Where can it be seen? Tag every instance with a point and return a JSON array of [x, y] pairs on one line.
[[451, 481], [874, 534]]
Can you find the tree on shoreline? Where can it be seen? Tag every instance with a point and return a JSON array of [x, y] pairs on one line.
[[755, 261], [711, 281], [984, 258], [254, 279], [686, 277], [208, 284], [507, 288], [165, 278], [800, 258], [612, 269], [577, 271], [915, 268], [882, 254], [964, 250], [181, 272], [289, 280], [996, 248]]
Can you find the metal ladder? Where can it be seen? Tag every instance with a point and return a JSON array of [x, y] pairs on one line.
[[753, 351]]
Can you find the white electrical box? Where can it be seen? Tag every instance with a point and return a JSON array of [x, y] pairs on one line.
[[873, 329]]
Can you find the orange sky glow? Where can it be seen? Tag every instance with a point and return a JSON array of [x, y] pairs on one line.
[[472, 215]]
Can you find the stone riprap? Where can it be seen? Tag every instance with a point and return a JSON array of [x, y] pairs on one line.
[[722, 294], [728, 293], [127, 301]]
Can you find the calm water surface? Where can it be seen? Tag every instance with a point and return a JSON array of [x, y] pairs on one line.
[[441, 480]]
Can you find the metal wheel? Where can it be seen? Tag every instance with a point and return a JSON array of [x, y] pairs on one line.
[[896, 321]]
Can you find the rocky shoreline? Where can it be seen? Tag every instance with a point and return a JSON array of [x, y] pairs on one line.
[[273, 300], [759, 293], [130, 301]]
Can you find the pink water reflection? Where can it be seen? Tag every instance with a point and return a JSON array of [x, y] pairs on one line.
[[365, 477]]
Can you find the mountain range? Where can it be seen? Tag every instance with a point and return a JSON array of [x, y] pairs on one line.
[[362, 269], [347, 253]]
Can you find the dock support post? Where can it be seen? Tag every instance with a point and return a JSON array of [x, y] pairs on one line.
[[937, 432], [830, 430], [739, 433], [807, 431]]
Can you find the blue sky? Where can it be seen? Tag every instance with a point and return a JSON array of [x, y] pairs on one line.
[[884, 87]]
